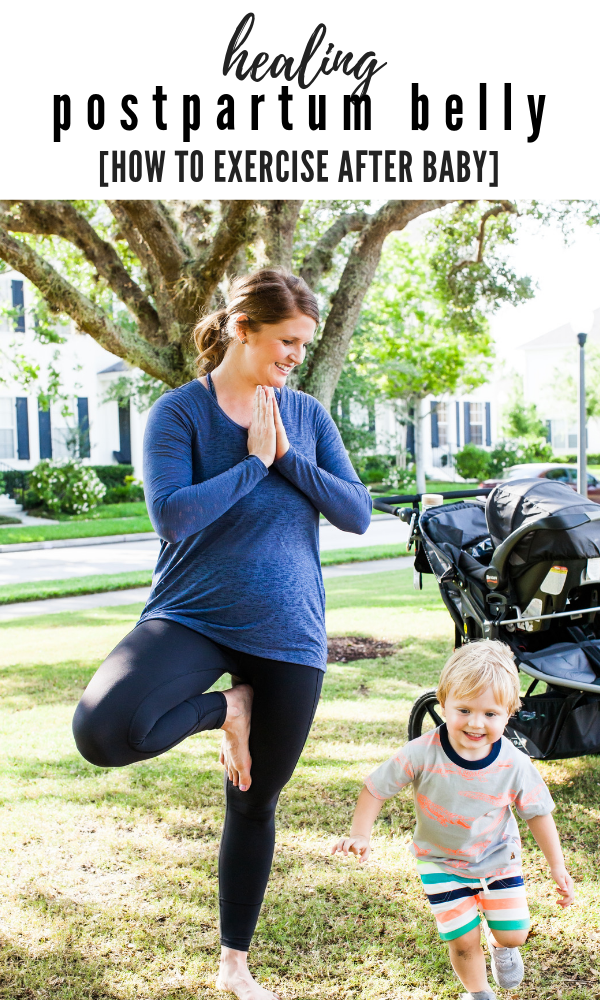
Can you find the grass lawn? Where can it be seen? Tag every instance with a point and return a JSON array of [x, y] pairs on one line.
[[108, 877], [112, 519]]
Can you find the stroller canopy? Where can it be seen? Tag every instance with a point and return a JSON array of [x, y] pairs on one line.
[[519, 501]]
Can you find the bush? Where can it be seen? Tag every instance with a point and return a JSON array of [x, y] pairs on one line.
[[131, 492], [373, 468], [113, 475], [472, 462], [572, 459], [502, 457], [66, 487], [401, 480]]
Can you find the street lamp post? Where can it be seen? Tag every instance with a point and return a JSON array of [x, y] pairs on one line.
[[581, 420]]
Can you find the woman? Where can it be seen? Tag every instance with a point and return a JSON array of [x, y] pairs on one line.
[[237, 469]]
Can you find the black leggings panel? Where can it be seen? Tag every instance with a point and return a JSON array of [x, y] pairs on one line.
[[148, 696]]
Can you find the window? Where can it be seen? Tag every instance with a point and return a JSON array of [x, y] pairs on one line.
[[559, 475], [563, 435], [476, 420], [7, 427]]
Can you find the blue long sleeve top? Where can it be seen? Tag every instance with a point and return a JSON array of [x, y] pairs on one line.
[[239, 557]]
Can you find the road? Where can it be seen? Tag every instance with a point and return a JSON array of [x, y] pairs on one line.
[[121, 557]]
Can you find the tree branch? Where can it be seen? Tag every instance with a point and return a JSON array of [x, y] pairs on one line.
[[320, 258], [61, 218], [328, 358], [63, 297], [152, 222], [503, 206], [201, 277], [139, 247]]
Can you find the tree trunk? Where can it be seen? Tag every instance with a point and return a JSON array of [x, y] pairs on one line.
[[275, 229], [419, 457]]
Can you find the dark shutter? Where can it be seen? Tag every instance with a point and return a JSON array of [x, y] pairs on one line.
[[488, 424], [123, 455], [435, 432], [45, 427], [410, 434], [549, 431], [22, 427], [457, 424], [18, 302], [83, 424], [467, 409]]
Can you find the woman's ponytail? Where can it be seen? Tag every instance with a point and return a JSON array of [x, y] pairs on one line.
[[212, 340], [255, 300]]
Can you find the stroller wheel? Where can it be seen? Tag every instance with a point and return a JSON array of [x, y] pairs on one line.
[[424, 715]]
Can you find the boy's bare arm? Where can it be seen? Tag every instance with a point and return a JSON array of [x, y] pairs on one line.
[[545, 834], [366, 812]]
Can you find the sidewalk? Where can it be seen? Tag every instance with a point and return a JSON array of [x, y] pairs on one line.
[[29, 564], [135, 595]]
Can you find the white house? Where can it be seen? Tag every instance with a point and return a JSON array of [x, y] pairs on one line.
[[549, 361], [107, 433]]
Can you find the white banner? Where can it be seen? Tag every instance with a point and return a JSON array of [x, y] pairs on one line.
[[240, 100]]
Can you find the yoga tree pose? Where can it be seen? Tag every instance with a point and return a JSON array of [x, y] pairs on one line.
[[237, 468]]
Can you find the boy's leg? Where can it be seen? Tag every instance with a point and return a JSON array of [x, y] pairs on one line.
[[504, 905], [453, 900], [468, 960]]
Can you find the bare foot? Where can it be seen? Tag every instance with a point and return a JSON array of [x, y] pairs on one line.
[[239, 981], [236, 731]]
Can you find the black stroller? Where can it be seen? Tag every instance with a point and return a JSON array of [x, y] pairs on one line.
[[523, 568]]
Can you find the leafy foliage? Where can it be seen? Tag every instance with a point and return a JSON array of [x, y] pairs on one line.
[[138, 387], [66, 487], [472, 462]]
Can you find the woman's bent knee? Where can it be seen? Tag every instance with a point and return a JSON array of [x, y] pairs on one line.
[[97, 741]]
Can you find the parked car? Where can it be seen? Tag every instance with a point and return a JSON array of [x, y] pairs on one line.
[[548, 470]]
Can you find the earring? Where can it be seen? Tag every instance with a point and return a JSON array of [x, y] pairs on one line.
[[244, 341]]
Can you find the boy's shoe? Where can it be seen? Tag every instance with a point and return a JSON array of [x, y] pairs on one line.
[[479, 995], [507, 964]]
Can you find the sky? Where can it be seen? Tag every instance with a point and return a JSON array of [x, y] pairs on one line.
[[568, 280]]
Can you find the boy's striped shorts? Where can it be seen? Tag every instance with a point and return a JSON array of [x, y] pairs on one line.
[[456, 901]]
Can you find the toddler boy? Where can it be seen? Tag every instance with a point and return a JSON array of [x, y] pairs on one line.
[[466, 776]]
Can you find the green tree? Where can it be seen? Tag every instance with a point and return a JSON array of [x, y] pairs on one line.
[[410, 343]]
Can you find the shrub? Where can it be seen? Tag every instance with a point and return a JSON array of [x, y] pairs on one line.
[[131, 492], [472, 462], [66, 487], [502, 457], [373, 468], [113, 475], [401, 480]]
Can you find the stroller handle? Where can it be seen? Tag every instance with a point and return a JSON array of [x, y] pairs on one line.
[[383, 503]]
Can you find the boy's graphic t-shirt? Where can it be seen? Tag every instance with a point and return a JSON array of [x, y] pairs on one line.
[[465, 822]]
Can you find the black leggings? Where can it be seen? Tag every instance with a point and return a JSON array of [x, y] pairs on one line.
[[148, 696]]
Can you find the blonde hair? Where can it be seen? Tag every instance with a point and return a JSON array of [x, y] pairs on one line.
[[479, 665], [266, 297]]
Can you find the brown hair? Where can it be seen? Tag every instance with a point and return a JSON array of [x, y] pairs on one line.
[[267, 296]]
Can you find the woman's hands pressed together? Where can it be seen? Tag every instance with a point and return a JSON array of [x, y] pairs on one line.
[[267, 438]]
